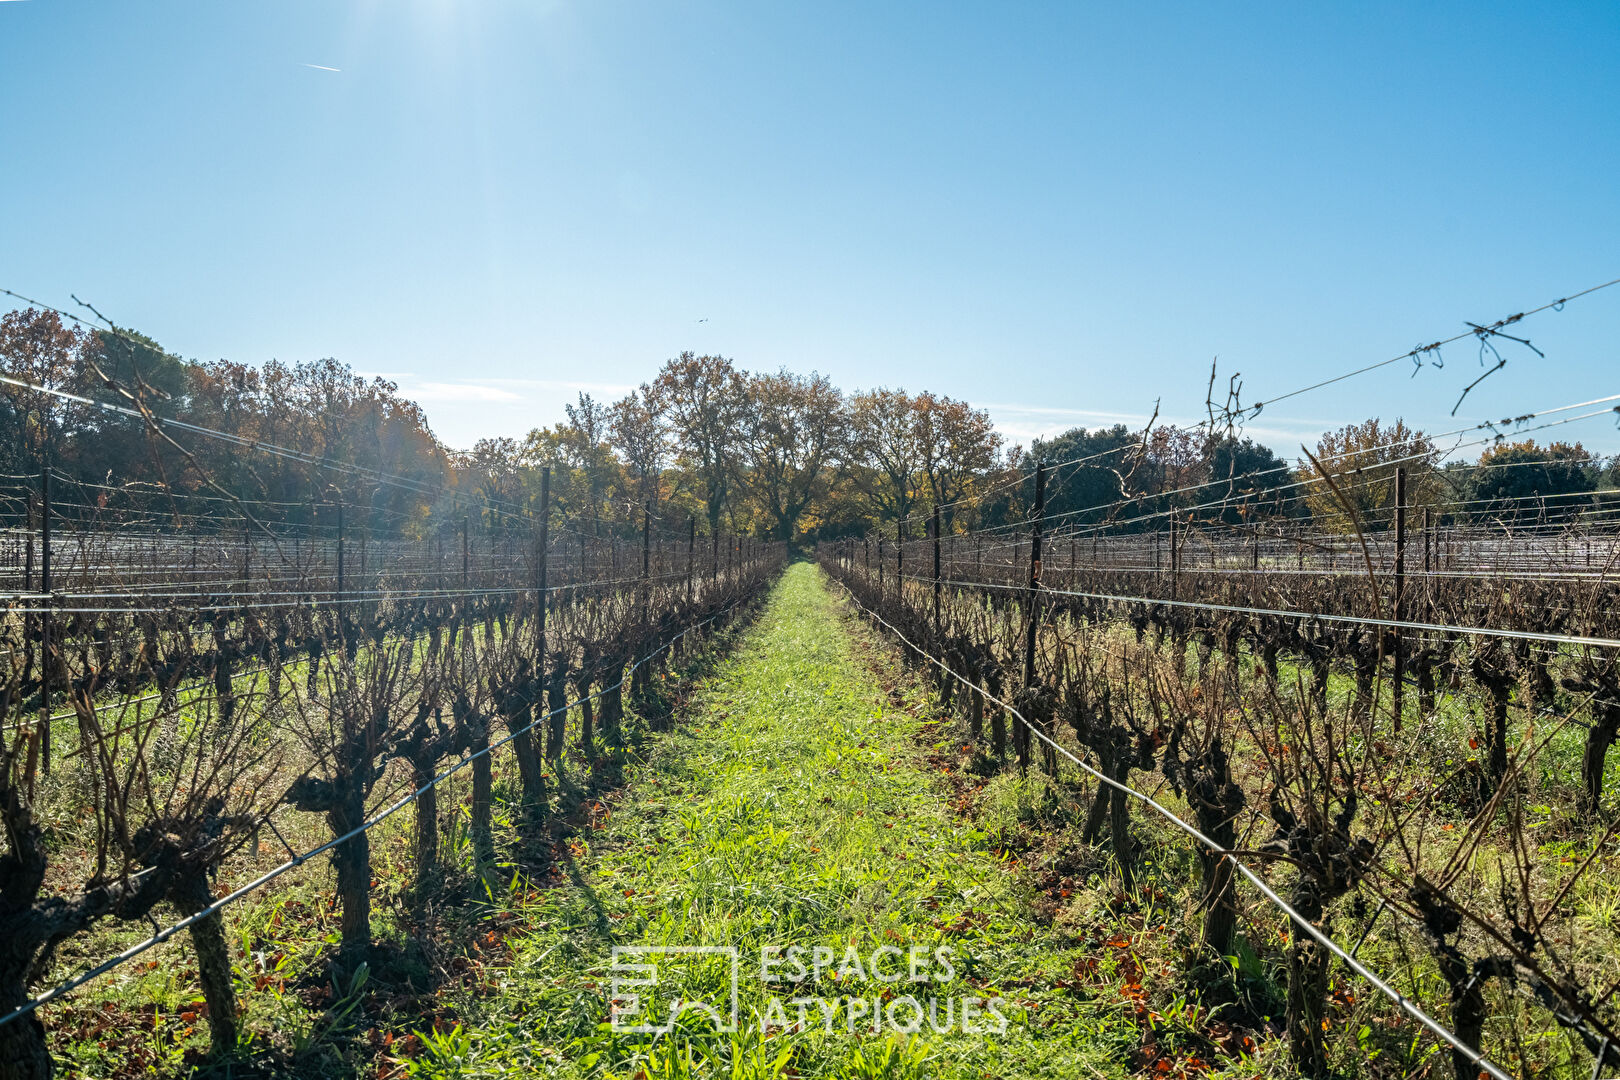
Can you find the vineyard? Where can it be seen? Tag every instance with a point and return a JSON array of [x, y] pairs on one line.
[[350, 754], [759, 541], [1382, 760], [193, 717]]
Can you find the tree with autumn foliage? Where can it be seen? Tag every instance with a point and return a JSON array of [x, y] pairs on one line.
[[586, 477], [640, 435], [910, 452], [886, 453], [702, 400], [1351, 474], [794, 433], [36, 348], [959, 446], [321, 408]]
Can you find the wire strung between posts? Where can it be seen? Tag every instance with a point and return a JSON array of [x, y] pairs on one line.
[[406, 483], [1263, 494], [202, 693], [250, 601], [109, 328], [168, 932], [8, 601], [1553, 531], [1406, 1004], [1354, 620], [1254, 409], [987, 492], [1267, 493], [1481, 332], [500, 507]]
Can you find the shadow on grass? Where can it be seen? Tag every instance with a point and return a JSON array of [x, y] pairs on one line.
[[406, 978]]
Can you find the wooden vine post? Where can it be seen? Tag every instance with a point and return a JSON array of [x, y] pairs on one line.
[[899, 561], [45, 619], [1398, 695], [540, 569], [1176, 540], [1033, 597], [937, 628], [646, 562], [340, 546]]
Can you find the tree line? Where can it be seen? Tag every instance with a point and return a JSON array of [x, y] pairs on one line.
[[777, 455]]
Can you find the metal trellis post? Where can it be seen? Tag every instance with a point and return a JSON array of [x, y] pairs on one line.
[[1399, 693]]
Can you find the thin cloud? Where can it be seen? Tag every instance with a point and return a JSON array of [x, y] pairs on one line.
[[1065, 418], [450, 391], [321, 67], [616, 389], [1051, 410], [1025, 423]]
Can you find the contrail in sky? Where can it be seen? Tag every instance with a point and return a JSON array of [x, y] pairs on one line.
[[320, 67]]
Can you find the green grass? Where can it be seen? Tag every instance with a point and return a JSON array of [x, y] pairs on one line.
[[810, 794], [795, 806], [146, 1017]]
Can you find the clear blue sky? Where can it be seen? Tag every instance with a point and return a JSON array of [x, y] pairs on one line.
[[1058, 211]]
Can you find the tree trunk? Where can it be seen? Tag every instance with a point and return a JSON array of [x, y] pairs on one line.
[[483, 837], [1217, 802], [1307, 989], [23, 1055], [427, 824], [613, 703], [1099, 805], [557, 703], [528, 760], [1425, 681], [312, 673], [352, 860], [587, 722], [1320, 669], [1496, 735], [1220, 910], [1599, 737], [1467, 1021], [1119, 822], [1366, 665], [190, 894], [28, 924]]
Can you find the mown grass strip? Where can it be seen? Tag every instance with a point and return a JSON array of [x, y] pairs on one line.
[[794, 808]]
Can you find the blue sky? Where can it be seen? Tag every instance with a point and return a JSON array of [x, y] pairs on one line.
[[1061, 212]]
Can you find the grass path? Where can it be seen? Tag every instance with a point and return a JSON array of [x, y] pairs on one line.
[[795, 806]]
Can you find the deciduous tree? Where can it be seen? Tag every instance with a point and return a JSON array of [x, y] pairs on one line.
[[796, 428]]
